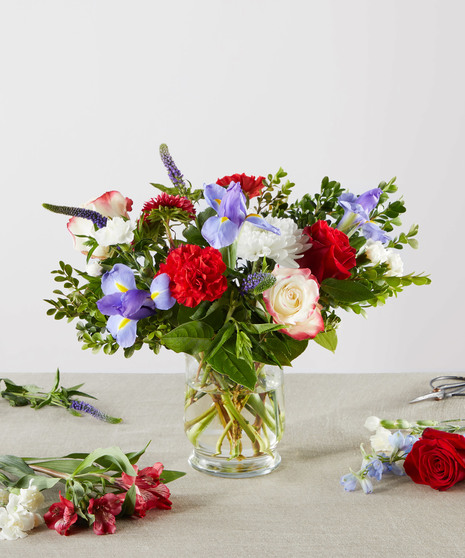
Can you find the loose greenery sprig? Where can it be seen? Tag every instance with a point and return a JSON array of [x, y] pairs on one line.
[[58, 396]]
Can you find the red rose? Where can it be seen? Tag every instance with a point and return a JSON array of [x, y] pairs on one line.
[[250, 185], [437, 459], [196, 274], [331, 255]]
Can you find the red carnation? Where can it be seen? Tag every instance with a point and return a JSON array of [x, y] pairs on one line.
[[331, 254], [196, 274], [167, 200], [61, 516], [250, 185]]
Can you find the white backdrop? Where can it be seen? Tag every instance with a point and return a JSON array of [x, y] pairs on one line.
[[360, 91]]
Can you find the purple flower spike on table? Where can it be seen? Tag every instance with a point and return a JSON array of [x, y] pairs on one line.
[[124, 303], [83, 407], [222, 229]]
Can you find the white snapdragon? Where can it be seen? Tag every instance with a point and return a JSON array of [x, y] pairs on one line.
[[116, 231], [375, 251], [254, 243], [395, 264]]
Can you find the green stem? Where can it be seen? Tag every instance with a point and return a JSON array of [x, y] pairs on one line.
[[205, 414], [222, 437]]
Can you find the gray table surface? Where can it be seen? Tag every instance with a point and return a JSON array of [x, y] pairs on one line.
[[298, 510]]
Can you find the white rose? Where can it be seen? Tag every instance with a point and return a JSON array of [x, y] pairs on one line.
[[395, 264], [117, 231], [292, 301], [375, 251], [31, 498], [380, 441]]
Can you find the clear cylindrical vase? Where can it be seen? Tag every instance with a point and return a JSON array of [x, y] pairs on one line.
[[234, 430]]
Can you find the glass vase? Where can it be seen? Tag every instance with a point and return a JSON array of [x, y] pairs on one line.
[[234, 430]]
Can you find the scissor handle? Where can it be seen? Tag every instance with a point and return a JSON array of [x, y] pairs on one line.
[[456, 380]]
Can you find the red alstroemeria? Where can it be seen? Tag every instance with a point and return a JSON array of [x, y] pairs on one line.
[[150, 492], [105, 510], [250, 185], [61, 516]]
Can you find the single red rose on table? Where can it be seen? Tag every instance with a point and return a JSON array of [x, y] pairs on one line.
[[250, 185], [437, 459], [330, 255], [196, 274]]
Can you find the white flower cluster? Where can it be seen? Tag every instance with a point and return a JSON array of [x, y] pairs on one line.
[[377, 253], [116, 231], [254, 243], [18, 512]]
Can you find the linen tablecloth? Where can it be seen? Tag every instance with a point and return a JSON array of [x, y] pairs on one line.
[[298, 510]]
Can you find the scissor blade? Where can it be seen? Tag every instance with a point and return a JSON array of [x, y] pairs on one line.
[[433, 395]]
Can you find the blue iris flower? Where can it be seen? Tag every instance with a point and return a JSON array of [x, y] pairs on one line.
[[222, 229], [357, 213], [126, 304]]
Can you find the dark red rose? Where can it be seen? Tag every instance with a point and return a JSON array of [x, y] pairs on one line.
[[437, 459], [331, 255], [196, 274], [250, 185], [61, 516]]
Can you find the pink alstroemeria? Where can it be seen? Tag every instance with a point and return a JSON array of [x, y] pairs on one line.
[[110, 204], [150, 492], [105, 510], [60, 516]]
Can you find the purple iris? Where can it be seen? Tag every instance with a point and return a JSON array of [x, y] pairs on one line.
[[357, 213], [126, 304], [221, 230]]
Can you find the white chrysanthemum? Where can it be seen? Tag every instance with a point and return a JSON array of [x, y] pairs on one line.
[[254, 243]]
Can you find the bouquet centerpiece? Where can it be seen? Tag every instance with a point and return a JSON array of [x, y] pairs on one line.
[[240, 279]]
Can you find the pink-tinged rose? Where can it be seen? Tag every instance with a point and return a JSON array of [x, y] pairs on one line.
[[150, 492], [61, 516], [105, 510], [293, 301], [111, 204]]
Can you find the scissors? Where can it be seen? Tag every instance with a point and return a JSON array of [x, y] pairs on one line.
[[451, 385]]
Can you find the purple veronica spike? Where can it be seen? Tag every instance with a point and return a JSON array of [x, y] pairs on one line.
[[83, 407], [173, 172], [222, 230], [98, 219]]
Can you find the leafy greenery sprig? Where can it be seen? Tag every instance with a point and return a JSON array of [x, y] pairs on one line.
[[58, 396]]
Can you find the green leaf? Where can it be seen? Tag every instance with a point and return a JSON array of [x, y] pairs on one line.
[[191, 338], [239, 370], [112, 454], [260, 328], [220, 339], [129, 503], [15, 465], [39, 481], [67, 466], [327, 339], [294, 347], [345, 290], [170, 476]]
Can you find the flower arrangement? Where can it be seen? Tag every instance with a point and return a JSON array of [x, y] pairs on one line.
[[100, 487], [235, 275], [429, 452]]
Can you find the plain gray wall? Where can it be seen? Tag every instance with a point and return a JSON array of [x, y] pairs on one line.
[[360, 91]]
